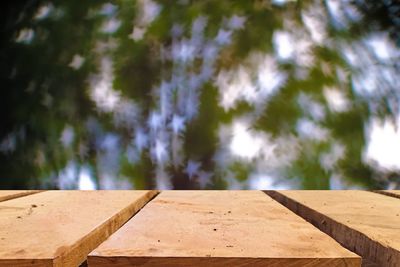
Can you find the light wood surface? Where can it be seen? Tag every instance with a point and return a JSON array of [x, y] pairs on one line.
[[10, 194], [392, 193], [218, 228], [59, 228], [365, 222]]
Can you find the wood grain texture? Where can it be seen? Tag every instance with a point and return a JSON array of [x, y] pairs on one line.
[[364, 222], [219, 228], [10, 194], [59, 228], [392, 193]]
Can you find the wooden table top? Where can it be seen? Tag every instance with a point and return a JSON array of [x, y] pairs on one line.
[[199, 228]]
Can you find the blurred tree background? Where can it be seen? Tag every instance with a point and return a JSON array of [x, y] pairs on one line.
[[200, 94]]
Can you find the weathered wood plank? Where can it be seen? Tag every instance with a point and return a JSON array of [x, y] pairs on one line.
[[392, 193], [10, 194], [219, 228], [59, 228], [364, 222]]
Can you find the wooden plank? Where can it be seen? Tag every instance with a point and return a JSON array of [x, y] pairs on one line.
[[392, 193], [364, 222], [59, 228], [219, 228], [10, 194]]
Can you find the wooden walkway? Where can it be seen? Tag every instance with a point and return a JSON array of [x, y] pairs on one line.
[[199, 228]]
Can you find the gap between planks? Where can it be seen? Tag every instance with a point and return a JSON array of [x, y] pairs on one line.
[[374, 252], [390, 193], [11, 194]]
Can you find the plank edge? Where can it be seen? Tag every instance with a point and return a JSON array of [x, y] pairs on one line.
[[122, 261], [26, 262], [353, 240], [81, 249], [386, 193], [21, 194]]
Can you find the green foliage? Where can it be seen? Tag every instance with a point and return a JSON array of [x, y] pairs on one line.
[[42, 95]]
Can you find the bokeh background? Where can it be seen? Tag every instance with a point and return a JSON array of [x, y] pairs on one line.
[[200, 94]]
